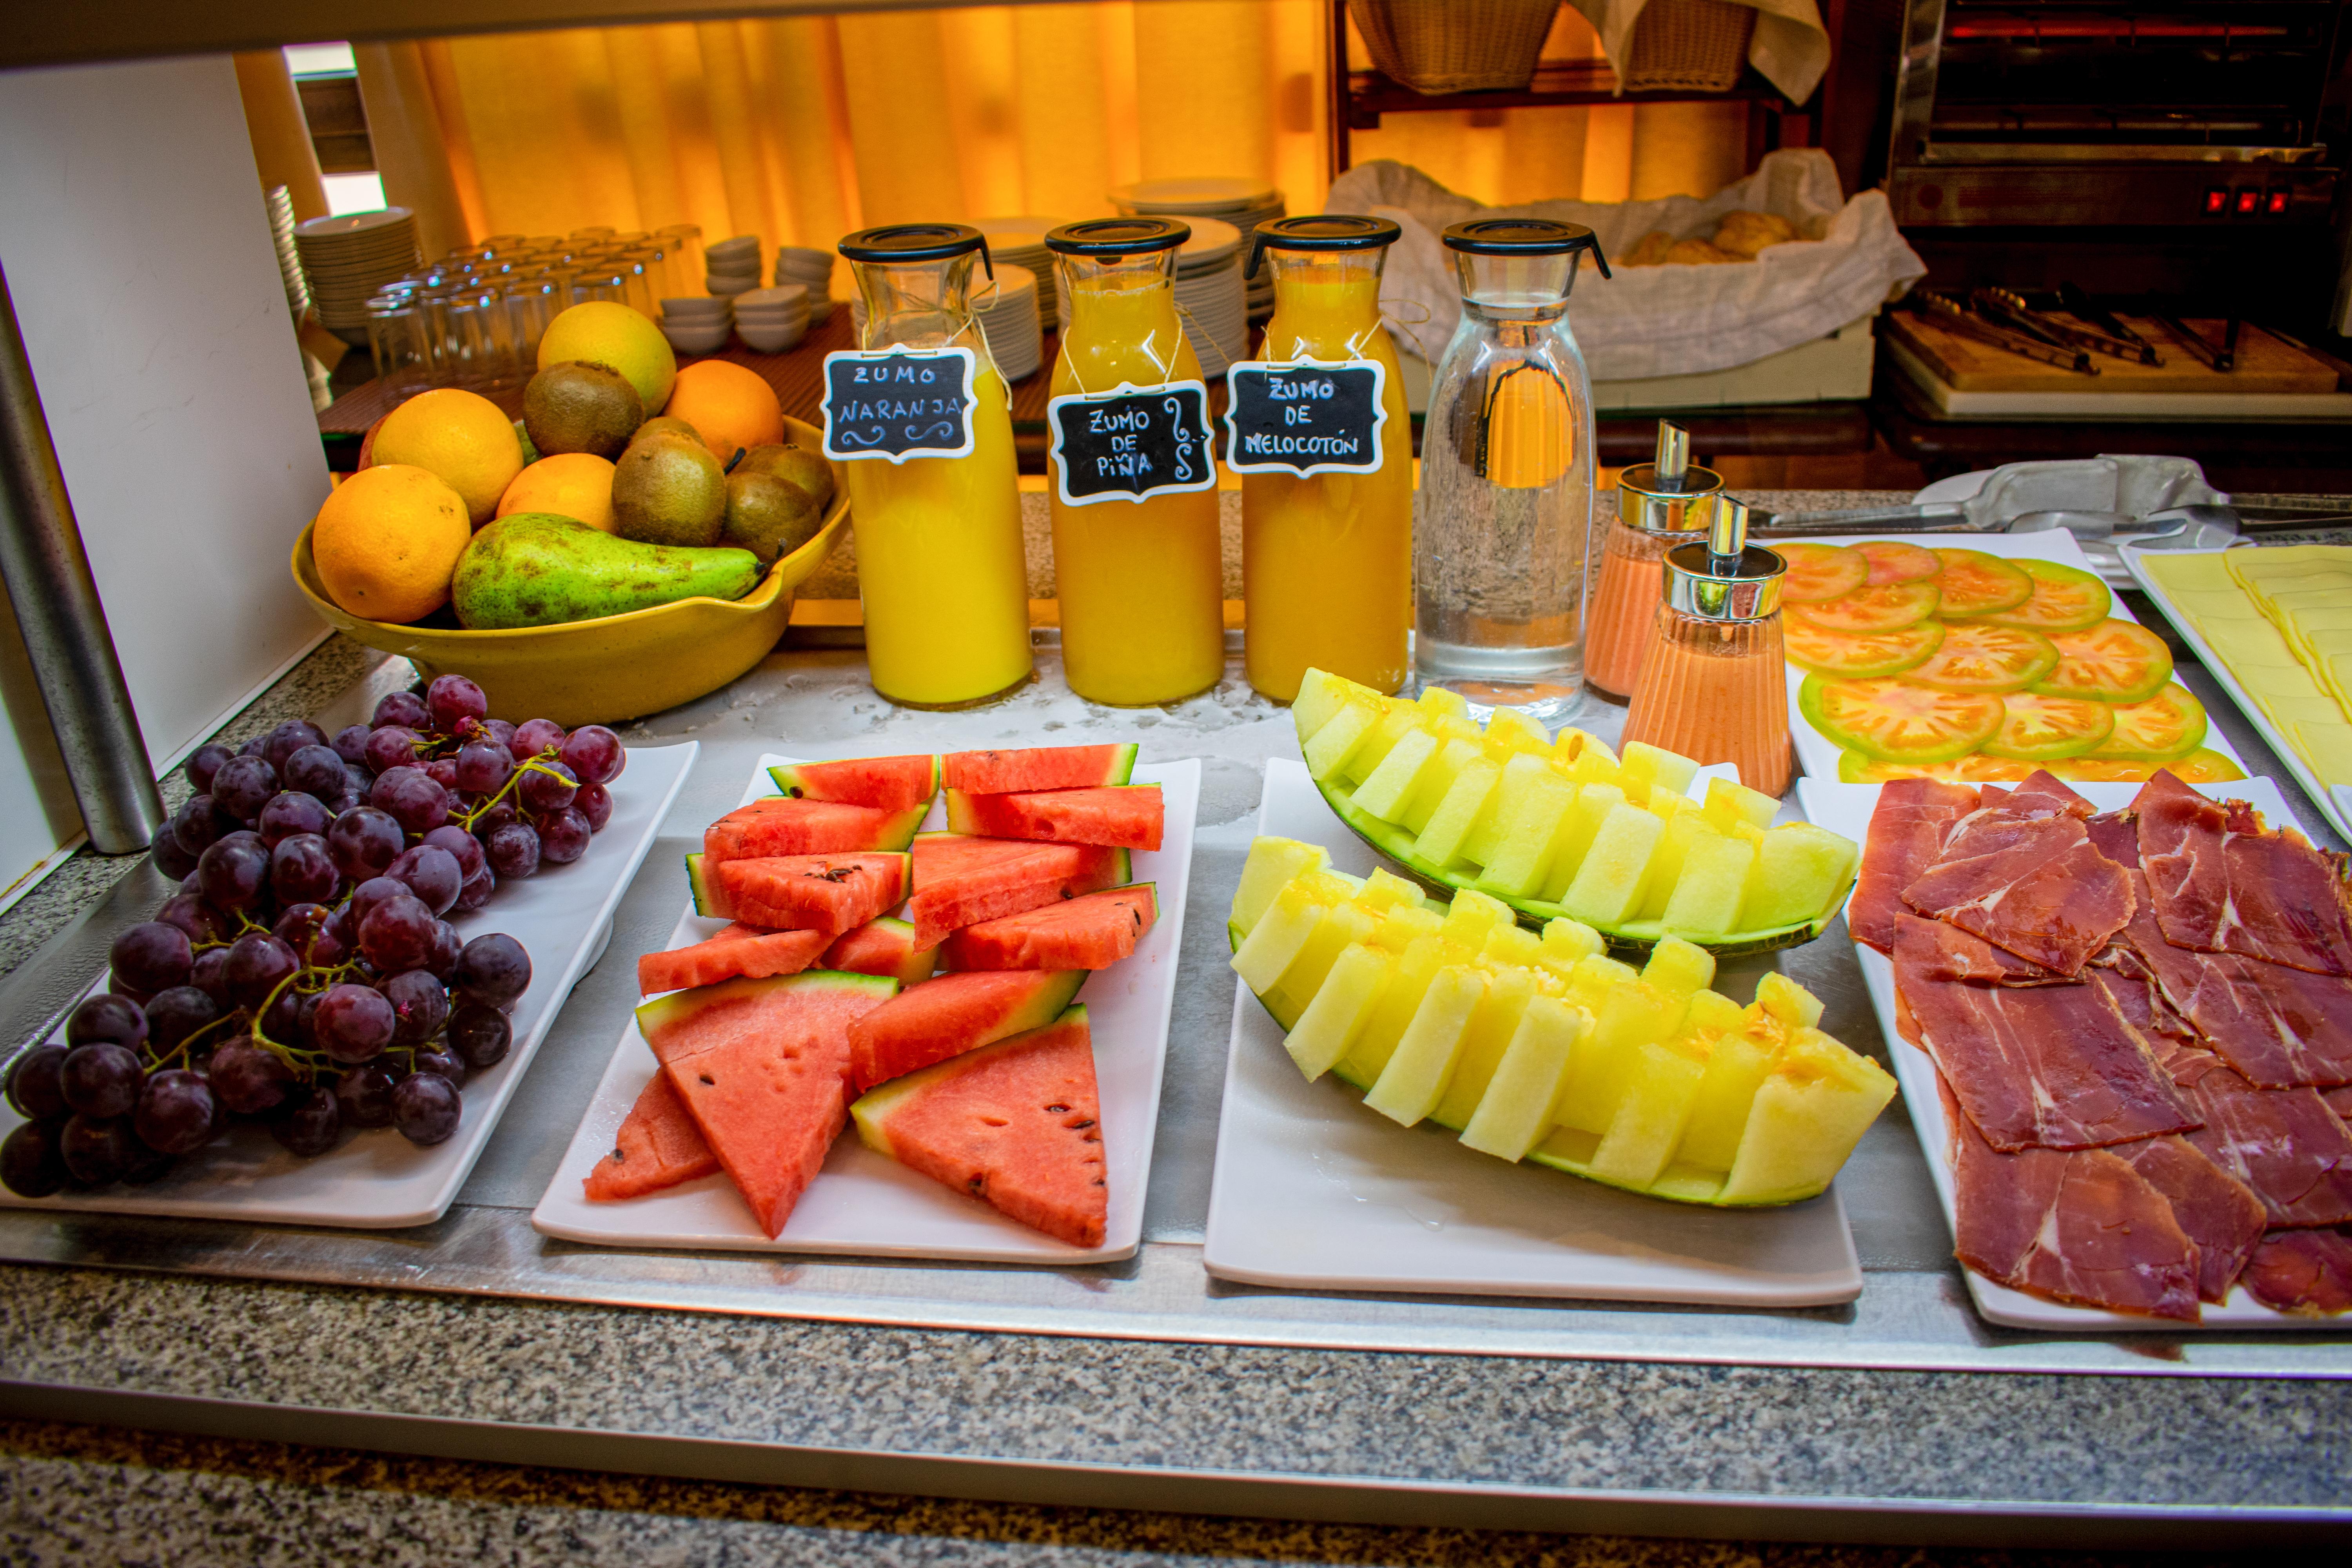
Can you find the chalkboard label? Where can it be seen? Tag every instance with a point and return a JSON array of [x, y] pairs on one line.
[[1132, 444], [908, 403], [1305, 416]]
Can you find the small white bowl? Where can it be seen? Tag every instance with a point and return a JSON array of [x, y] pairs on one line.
[[695, 337], [728, 287], [733, 244], [780, 294], [693, 307], [772, 318], [770, 340]]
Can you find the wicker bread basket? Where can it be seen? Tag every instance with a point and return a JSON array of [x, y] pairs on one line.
[[1687, 46], [1455, 46]]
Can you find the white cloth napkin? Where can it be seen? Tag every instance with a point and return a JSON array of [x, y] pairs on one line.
[[1790, 46]]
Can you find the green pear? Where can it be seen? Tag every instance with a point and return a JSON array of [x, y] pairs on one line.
[[669, 490], [537, 569]]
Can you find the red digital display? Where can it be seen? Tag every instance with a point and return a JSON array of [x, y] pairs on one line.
[[2216, 203], [2277, 202], [2249, 200]]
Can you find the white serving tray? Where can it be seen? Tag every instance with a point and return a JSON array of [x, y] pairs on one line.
[[1846, 808], [866, 1205], [2335, 802], [1819, 754], [1313, 1191], [377, 1179]]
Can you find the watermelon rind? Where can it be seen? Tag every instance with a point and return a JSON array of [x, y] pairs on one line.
[[915, 965], [709, 901], [963, 813], [1053, 993], [1638, 936], [1118, 770], [895, 831], [664, 1012], [786, 778], [871, 1109]]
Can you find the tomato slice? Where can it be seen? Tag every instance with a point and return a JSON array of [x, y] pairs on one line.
[[2167, 725], [2114, 661], [2066, 599], [1893, 561], [1977, 655], [2205, 765], [2202, 766], [1828, 652], [2038, 729], [1883, 607], [1899, 720], [1975, 768], [1976, 583], [1819, 572]]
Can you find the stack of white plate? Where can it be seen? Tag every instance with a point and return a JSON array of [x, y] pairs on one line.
[[347, 259], [733, 265], [773, 320], [1020, 242], [289, 262], [1243, 203], [696, 325], [813, 271], [1008, 319], [1209, 291]]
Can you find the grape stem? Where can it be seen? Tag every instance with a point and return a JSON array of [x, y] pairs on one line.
[[538, 764]]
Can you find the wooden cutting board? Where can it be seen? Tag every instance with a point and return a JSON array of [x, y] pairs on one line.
[[2265, 363]]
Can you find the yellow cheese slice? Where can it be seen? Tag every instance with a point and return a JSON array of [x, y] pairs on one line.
[[2327, 748], [2230, 604], [2318, 708]]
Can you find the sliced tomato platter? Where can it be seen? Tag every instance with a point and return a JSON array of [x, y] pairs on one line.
[[1979, 661]]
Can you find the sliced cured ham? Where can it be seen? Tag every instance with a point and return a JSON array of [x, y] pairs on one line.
[[2085, 1229], [2279, 1028], [2137, 1002], [2339, 1101], [2045, 894], [1937, 949], [2223, 884], [2284, 1144], [2306, 1273], [2047, 1066], [2115, 835], [2213, 1208], [1907, 829]]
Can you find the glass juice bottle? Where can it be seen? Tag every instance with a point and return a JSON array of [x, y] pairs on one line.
[[1712, 687], [1326, 560], [1141, 581], [940, 559], [1502, 518], [1659, 506]]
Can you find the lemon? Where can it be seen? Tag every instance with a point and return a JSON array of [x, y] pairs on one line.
[[388, 540], [577, 485], [602, 332], [461, 437]]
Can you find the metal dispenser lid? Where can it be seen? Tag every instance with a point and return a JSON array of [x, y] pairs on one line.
[[1117, 236], [1321, 231], [917, 242], [1723, 577], [1523, 236], [1667, 496]]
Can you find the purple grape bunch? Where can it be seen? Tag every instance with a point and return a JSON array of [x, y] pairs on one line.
[[305, 974]]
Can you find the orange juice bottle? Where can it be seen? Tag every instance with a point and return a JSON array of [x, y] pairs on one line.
[[1142, 577], [1711, 687], [940, 561], [1327, 559]]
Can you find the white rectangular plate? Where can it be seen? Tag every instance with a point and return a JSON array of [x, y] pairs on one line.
[[378, 1180], [1846, 808], [2335, 802], [866, 1205], [1818, 753], [1315, 1191]]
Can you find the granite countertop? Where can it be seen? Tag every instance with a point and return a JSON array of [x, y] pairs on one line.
[[1075, 1439]]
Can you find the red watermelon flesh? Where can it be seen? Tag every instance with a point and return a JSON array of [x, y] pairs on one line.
[[658, 1146], [952, 1014], [885, 947], [830, 893], [886, 784], [1039, 767], [763, 1066], [741, 952], [1092, 932], [1017, 1124], [777, 824], [1122, 817], [962, 881]]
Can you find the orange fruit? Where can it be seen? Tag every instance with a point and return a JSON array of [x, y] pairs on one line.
[[388, 540], [461, 437], [727, 405], [571, 484], [604, 332]]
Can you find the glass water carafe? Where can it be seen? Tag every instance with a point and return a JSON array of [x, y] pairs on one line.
[[1502, 518]]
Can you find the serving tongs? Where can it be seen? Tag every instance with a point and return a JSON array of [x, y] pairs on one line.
[[1955, 319], [2083, 307], [2221, 357], [2009, 308]]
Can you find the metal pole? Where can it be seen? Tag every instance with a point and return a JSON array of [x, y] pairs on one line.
[[64, 623]]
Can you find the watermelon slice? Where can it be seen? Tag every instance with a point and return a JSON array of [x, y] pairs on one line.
[[962, 881], [1122, 817], [1092, 932], [1040, 767], [886, 784], [763, 1066], [885, 947], [1017, 1125], [830, 893], [741, 952], [778, 826], [952, 1015], [658, 1146]]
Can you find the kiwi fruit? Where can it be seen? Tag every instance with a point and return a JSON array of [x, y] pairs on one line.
[[580, 406], [667, 490]]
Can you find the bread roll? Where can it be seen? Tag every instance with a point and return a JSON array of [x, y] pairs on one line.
[[1700, 252], [1651, 251], [1744, 234]]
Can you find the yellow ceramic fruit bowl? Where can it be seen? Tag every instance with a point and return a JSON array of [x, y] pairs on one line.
[[621, 667]]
